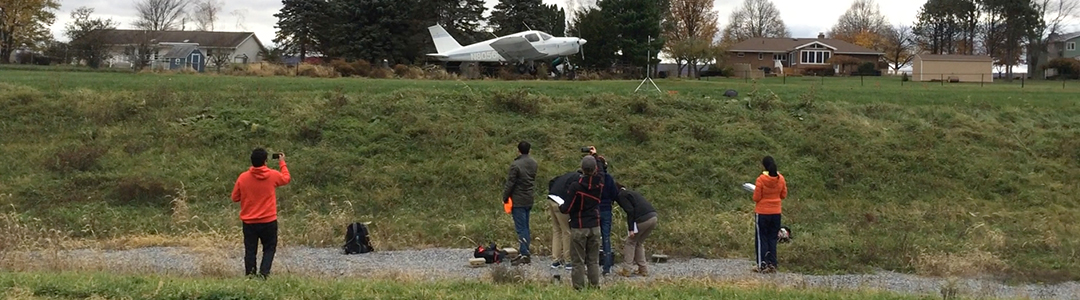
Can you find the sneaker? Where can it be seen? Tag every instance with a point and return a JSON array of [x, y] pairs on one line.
[[556, 265], [623, 272], [642, 272], [520, 260], [569, 267], [769, 269]]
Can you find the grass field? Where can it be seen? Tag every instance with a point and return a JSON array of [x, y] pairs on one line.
[[922, 178], [26, 286]]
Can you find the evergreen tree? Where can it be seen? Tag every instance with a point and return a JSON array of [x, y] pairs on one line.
[[299, 23], [372, 30]]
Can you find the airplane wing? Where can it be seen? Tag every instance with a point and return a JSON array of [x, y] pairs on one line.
[[515, 48]]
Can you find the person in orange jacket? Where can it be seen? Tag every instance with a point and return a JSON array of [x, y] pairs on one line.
[[770, 189], [255, 189]]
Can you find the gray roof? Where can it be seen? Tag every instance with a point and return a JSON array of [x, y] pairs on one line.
[[208, 39], [1067, 36], [181, 51]]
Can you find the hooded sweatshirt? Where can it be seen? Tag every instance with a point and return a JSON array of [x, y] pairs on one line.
[[583, 207], [768, 192], [255, 189]]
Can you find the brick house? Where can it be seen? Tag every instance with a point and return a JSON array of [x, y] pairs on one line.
[[797, 55]]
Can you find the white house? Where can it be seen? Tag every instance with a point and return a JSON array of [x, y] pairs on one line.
[[229, 47]]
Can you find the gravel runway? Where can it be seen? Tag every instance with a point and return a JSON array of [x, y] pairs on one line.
[[434, 264]]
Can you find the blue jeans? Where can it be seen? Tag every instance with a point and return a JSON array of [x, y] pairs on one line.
[[605, 235], [521, 226]]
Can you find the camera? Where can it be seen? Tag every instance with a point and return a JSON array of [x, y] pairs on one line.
[[276, 156], [586, 149]]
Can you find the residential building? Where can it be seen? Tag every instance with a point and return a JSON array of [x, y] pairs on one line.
[[796, 55], [1058, 46], [213, 47]]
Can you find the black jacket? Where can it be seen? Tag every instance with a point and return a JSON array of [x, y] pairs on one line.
[[636, 207], [559, 186], [520, 182], [583, 206]]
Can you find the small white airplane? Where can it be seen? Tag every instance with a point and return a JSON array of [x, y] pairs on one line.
[[518, 47]]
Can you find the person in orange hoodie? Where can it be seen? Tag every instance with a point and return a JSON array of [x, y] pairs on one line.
[[255, 189], [770, 189]]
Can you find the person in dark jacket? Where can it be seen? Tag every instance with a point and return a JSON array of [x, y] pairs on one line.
[[607, 198], [519, 188], [585, 224], [641, 219]]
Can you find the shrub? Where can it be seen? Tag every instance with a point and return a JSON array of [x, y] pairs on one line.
[[362, 68], [517, 101], [142, 191], [381, 73], [344, 68], [401, 70], [1066, 67], [867, 69], [77, 158], [316, 71], [440, 74], [17, 94]]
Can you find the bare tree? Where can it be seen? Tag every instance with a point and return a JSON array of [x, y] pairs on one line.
[[756, 18], [1055, 14], [220, 59], [689, 38], [899, 46], [158, 15], [205, 13], [239, 14], [862, 24]]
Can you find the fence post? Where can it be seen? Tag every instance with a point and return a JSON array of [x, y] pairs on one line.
[[982, 79], [746, 76], [1022, 81], [785, 78], [862, 80], [942, 79], [1062, 82]]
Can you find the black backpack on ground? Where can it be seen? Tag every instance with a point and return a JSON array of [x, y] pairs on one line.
[[490, 253], [356, 239]]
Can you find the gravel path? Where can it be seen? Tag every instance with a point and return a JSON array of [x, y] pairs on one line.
[[431, 264]]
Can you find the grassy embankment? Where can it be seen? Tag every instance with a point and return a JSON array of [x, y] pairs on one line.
[[928, 179]]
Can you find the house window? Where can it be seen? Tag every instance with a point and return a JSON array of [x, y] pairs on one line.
[[816, 57], [779, 57], [740, 54], [1070, 46], [760, 56]]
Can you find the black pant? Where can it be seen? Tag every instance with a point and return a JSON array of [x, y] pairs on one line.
[[768, 227], [253, 233]]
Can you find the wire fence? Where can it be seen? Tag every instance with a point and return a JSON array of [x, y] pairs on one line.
[[1018, 80]]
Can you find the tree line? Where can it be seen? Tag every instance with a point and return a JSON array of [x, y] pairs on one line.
[[620, 32]]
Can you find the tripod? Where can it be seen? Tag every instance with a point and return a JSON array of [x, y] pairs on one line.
[[648, 71]]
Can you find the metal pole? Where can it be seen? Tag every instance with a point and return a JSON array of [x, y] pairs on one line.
[[1022, 79], [982, 79], [942, 79]]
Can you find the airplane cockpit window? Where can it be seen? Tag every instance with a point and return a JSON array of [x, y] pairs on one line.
[[545, 36], [532, 38]]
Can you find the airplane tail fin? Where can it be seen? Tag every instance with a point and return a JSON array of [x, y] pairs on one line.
[[443, 41]]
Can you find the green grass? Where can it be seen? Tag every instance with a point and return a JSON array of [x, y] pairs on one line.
[[106, 286], [921, 178]]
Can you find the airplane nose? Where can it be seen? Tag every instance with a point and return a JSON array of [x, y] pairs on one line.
[[581, 41]]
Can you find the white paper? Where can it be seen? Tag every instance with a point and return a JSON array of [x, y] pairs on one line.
[[749, 187], [556, 198]]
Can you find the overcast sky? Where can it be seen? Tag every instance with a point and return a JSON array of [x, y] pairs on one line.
[[803, 18]]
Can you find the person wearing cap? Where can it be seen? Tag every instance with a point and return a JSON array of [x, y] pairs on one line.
[[585, 224], [607, 198], [519, 186], [770, 189]]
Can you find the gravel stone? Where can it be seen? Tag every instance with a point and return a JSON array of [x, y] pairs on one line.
[[441, 264]]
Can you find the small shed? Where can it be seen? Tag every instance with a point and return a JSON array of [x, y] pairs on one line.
[[953, 68], [182, 56]]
